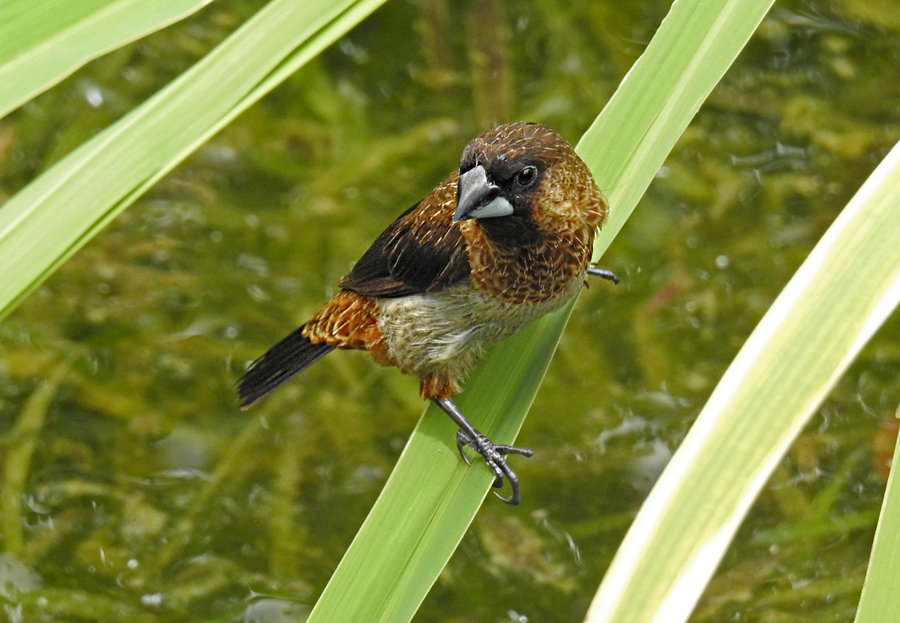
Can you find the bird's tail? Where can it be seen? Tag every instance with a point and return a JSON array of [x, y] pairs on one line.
[[291, 355]]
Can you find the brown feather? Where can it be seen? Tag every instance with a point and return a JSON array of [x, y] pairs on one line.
[[422, 251]]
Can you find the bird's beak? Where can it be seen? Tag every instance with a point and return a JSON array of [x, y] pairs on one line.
[[477, 197]]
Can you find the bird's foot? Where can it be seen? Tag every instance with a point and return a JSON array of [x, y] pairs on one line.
[[493, 456], [603, 273]]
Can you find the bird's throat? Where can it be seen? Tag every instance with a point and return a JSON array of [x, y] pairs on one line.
[[512, 232]]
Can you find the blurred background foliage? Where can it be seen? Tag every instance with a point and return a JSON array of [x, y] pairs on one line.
[[133, 489]]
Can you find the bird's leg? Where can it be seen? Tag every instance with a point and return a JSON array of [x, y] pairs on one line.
[[603, 273], [491, 453]]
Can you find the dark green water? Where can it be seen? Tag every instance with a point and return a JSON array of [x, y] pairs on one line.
[[151, 497]]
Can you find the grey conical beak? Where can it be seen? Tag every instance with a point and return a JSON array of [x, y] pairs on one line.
[[477, 197]]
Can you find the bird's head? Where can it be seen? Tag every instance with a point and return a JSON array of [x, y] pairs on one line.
[[523, 180]]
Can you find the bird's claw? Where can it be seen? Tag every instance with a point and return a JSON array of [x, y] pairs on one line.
[[603, 273], [493, 456], [461, 442]]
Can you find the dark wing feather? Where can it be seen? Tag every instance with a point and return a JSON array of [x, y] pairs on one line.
[[422, 251]]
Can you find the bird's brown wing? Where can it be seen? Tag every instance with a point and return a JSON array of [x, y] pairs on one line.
[[422, 251]]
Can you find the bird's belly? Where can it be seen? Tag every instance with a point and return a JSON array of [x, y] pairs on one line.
[[441, 333]]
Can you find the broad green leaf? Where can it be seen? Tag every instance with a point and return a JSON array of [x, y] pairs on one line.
[[55, 215], [431, 497], [831, 307], [26, 24], [43, 41]]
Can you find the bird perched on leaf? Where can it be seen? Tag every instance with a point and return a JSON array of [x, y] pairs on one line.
[[504, 240]]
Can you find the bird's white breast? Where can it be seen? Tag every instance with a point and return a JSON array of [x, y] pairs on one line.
[[442, 332]]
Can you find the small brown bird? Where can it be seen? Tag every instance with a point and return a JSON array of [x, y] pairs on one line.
[[500, 243]]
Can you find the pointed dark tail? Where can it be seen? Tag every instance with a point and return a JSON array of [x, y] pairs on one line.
[[291, 355]]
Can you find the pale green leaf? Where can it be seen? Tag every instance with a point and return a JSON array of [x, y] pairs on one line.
[[55, 215], [880, 600], [43, 41], [834, 303]]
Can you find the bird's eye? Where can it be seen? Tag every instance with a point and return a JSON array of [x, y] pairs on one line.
[[526, 176]]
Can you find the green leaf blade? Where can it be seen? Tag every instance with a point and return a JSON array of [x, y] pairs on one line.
[[625, 147], [434, 491], [841, 294], [55, 215], [39, 51], [880, 600]]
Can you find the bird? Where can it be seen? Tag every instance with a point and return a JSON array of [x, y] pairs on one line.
[[504, 240]]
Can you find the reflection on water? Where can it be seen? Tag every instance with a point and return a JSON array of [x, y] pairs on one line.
[[134, 489]]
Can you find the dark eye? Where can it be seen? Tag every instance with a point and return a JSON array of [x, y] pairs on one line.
[[526, 176]]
